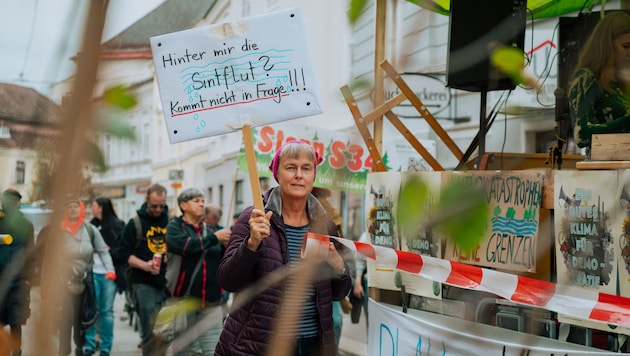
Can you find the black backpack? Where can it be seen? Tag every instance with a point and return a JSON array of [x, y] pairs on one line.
[[89, 311]]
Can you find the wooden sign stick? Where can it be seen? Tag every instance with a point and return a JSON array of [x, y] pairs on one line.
[[251, 167]]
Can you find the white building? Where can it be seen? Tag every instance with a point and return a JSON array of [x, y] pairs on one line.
[[416, 42]]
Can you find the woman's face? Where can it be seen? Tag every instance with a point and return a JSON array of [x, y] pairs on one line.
[[194, 207], [97, 210], [73, 211], [622, 51], [296, 175]]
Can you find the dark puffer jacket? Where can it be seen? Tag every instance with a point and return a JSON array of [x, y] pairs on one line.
[[248, 329]]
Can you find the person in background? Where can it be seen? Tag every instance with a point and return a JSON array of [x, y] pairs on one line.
[[137, 246], [359, 296], [343, 306], [234, 219], [79, 245], [189, 236], [598, 94], [111, 227], [212, 217], [264, 241], [16, 247]]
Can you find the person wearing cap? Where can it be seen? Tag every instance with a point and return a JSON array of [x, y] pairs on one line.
[[137, 246], [189, 236], [270, 240], [16, 249]]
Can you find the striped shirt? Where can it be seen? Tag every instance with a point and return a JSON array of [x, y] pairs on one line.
[[308, 324]]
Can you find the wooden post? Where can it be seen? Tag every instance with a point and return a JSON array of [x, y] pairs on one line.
[[379, 76], [251, 167]]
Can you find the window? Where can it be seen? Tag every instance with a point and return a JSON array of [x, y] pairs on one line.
[[238, 196], [20, 172], [210, 197], [264, 183], [220, 194]]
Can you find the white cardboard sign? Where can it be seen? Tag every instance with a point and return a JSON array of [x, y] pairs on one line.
[[215, 79]]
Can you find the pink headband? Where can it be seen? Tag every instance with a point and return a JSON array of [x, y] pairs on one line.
[[273, 166]]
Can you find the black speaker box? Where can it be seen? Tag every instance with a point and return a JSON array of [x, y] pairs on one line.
[[475, 28]]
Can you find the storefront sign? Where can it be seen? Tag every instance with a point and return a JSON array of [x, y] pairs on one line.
[[430, 90]]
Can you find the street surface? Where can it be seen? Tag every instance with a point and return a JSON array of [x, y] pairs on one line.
[[353, 337]]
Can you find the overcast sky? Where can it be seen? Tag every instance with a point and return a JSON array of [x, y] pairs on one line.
[[38, 37]]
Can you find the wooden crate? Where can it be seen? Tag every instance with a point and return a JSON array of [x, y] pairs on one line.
[[610, 147]]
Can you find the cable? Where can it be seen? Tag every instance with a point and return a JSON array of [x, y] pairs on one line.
[[30, 40], [504, 125]]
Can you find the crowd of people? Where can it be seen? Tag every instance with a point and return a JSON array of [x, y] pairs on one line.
[[154, 257]]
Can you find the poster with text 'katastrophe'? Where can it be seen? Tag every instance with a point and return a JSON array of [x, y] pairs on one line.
[[216, 79], [511, 236]]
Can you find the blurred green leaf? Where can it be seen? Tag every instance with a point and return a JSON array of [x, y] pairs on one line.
[[185, 305], [356, 6], [95, 156], [120, 97], [411, 205], [463, 212], [112, 121], [509, 60]]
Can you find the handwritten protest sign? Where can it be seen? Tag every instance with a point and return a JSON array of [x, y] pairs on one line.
[[512, 232], [216, 79]]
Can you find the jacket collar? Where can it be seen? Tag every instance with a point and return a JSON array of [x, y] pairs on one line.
[[314, 209]]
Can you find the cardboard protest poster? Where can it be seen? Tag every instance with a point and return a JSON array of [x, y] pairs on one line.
[[584, 225], [216, 79], [510, 240], [420, 239], [621, 231], [382, 190]]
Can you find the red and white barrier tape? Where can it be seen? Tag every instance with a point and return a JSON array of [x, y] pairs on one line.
[[564, 299]]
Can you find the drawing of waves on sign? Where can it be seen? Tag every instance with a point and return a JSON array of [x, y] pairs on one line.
[[514, 226], [254, 67]]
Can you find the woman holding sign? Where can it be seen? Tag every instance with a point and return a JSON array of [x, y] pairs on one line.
[[264, 242]]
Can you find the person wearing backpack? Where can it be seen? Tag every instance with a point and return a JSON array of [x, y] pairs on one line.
[[15, 255], [78, 241], [144, 237], [111, 227], [192, 242]]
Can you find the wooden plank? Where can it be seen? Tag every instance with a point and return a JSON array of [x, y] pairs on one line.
[[602, 165], [422, 109], [610, 147], [377, 159], [414, 141], [250, 154], [381, 110]]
